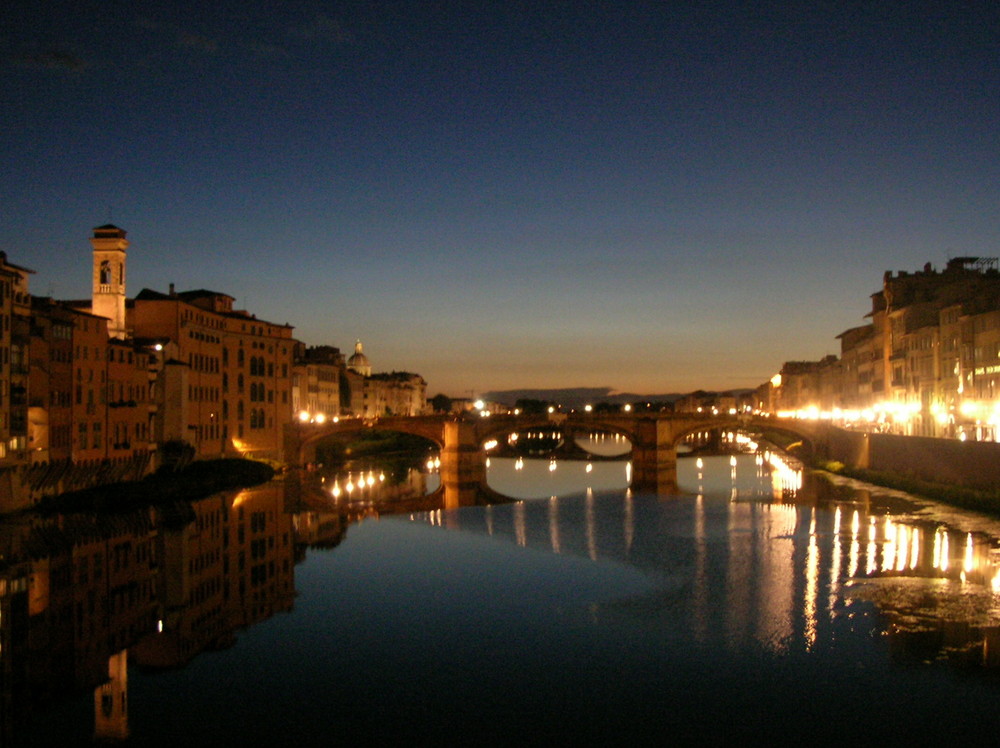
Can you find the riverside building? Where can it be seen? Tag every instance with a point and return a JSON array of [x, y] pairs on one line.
[[92, 391], [227, 382], [928, 363]]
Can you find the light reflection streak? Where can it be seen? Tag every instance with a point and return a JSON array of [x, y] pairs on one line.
[[836, 559], [629, 521], [554, 524], [872, 551], [520, 530], [889, 546], [591, 524], [812, 584], [902, 547], [701, 626], [780, 587], [855, 552]]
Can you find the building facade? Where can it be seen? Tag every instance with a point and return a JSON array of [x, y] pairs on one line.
[[927, 364], [229, 382], [113, 379]]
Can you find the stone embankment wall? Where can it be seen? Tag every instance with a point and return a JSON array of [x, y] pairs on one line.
[[22, 486], [948, 461]]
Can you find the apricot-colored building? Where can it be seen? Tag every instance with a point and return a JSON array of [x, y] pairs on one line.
[[231, 377]]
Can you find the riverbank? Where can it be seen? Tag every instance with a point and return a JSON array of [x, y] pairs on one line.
[[986, 501], [196, 481]]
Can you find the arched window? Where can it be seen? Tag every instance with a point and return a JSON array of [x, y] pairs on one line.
[[105, 273]]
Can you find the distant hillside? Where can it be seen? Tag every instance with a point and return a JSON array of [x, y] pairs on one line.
[[575, 397]]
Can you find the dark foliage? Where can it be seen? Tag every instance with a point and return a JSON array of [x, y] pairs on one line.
[[197, 480]]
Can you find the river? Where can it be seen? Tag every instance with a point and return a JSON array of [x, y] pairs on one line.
[[754, 605]]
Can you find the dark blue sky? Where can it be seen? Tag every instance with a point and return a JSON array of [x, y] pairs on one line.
[[646, 196]]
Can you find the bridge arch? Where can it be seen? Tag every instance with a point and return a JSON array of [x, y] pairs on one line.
[[802, 431], [302, 439], [495, 427]]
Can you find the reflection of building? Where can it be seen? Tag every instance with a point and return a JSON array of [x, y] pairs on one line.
[[13, 646], [261, 555], [319, 529], [81, 595], [111, 701], [228, 565]]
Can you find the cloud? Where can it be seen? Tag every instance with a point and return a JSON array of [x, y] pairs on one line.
[[53, 59], [322, 28], [197, 42], [181, 37], [266, 49]]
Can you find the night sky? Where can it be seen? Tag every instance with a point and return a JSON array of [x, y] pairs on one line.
[[646, 196]]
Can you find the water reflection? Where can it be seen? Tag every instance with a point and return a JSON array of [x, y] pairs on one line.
[[798, 554], [542, 442], [84, 596], [737, 562]]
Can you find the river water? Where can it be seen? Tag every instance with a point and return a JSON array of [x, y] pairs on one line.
[[754, 605]]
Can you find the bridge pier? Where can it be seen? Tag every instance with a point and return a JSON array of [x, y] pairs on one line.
[[654, 458], [463, 465]]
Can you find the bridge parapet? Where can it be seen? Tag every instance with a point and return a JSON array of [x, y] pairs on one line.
[[654, 438]]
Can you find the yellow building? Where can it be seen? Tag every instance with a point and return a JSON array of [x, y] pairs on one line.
[[15, 323], [928, 364], [227, 389], [397, 393]]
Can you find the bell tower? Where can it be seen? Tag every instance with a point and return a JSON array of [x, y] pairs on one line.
[[108, 298]]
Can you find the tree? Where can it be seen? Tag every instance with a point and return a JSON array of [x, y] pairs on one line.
[[530, 406], [441, 403]]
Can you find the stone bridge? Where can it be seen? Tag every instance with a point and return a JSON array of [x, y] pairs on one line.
[[654, 439]]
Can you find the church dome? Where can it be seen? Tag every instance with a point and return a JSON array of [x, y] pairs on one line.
[[359, 361]]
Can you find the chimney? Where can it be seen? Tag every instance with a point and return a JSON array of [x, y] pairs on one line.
[[172, 293]]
